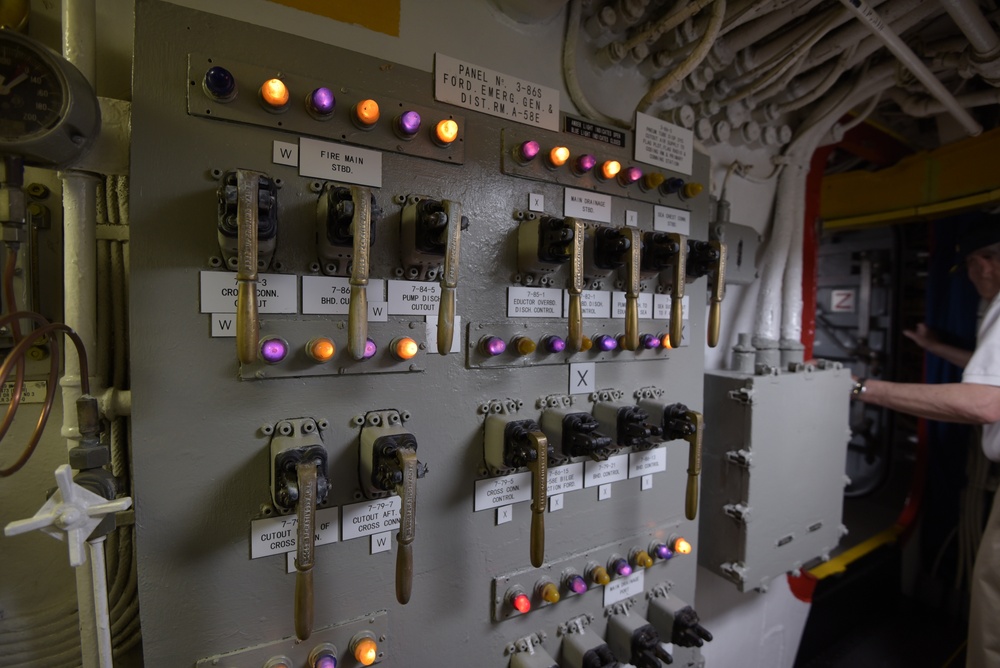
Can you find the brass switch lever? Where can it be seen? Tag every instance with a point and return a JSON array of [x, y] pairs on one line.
[[449, 277], [694, 463], [575, 339], [305, 543], [539, 496], [679, 276], [718, 293], [247, 325], [357, 315], [633, 266]]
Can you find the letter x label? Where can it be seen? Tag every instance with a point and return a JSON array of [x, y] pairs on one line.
[[582, 378]]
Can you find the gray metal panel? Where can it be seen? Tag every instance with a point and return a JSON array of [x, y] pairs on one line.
[[201, 466], [774, 453]]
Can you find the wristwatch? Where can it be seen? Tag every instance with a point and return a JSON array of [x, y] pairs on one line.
[[859, 387]]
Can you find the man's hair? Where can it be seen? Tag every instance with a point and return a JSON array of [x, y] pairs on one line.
[[991, 252]]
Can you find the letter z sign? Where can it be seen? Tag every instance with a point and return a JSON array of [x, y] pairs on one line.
[[843, 301]]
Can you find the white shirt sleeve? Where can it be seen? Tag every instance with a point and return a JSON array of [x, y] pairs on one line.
[[984, 367]]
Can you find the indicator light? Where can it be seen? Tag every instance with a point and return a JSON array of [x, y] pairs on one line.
[[321, 349], [519, 600], [273, 349], [652, 181], [680, 546], [661, 551], [404, 348], [365, 114], [445, 132], [549, 592], [527, 151], [584, 164], [605, 343], [320, 103], [649, 341], [610, 169], [523, 345], [599, 575], [620, 567], [587, 344], [322, 656], [365, 649], [671, 185], [220, 84], [641, 559], [691, 190], [620, 341], [407, 125], [278, 662], [576, 584], [370, 349], [558, 157], [554, 344], [274, 95], [665, 340], [492, 346], [629, 176]]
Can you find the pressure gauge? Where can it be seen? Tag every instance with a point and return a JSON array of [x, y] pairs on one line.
[[49, 114]]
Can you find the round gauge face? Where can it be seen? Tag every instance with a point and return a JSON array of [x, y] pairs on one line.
[[31, 92]]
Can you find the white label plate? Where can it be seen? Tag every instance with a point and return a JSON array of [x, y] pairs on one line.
[[381, 542], [843, 301], [370, 517], [32, 392], [223, 325], [661, 307], [331, 295], [277, 535], [413, 297], [664, 144], [502, 491], [595, 303], [621, 589], [534, 302], [276, 293], [668, 219], [644, 463], [645, 305], [582, 377], [339, 162], [611, 470], [490, 92], [284, 153], [586, 204], [431, 327], [566, 478]]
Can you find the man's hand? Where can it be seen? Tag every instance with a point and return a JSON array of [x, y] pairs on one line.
[[927, 339], [923, 336]]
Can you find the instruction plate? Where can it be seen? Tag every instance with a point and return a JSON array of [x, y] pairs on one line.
[[32, 392], [663, 144], [276, 293], [611, 470], [370, 517], [502, 491], [278, 535]]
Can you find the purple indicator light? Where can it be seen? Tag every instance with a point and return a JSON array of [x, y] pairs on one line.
[[327, 662], [605, 343], [584, 164], [649, 342], [321, 102], [528, 150], [492, 345], [273, 350], [554, 344], [622, 568], [220, 84], [408, 124], [662, 551], [576, 584], [370, 349], [629, 176]]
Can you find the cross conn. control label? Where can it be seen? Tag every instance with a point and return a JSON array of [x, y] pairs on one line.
[[502, 491]]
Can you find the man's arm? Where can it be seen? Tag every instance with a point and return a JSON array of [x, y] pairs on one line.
[[968, 403], [928, 340]]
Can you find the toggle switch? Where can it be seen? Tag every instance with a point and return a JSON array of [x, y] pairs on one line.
[[676, 621], [512, 444], [388, 464], [612, 249], [576, 434], [364, 648], [677, 421], [247, 233], [546, 243], [584, 649], [634, 640], [708, 258], [630, 425], [299, 481], [661, 254]]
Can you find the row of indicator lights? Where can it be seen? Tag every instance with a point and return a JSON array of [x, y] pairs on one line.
[[274, 349], [274, 96], [363, 648], [522, 346], [574, 583], [559, 156]]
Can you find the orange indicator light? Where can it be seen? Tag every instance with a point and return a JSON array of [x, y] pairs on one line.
[[681, 546], [274, 95], [665, 340], [549, 593], [642, 559], [587, 344], [366, 114], [321, 349], [523, 345], [404, 348], [365, 650], [558, 156], [445, 132], [610, 169]]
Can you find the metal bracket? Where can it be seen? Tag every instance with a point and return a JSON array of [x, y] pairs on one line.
[[738, 512], [742, 458]]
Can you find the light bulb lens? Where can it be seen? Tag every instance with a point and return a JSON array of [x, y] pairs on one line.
[[629, 176], [610, 169], [584, 164], [588, 343], [321, 103], [273, 349], [558, 156], [649, 341], [605, 343], [665, 340], [492, 346], [600, 575], [681, 546], [528, 151], [521, 603], [576, 584], [662, 551], [366, 114], [404, 348], [274, 95], [220, 84], [554, 344], [445, 132], [524, 345], [321, 349], [366, 651], [550, 593], [408, 124], [370, 349], [621, 568]]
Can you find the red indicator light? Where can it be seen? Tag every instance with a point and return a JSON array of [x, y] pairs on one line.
[[365, 114], [521, 603], [445, 132], [274, 95]]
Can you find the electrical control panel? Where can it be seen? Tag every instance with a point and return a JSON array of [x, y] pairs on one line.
[[413, 385]]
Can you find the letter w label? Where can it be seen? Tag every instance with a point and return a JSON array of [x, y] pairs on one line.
[[223, 325], [284, 153], [381, 542]]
